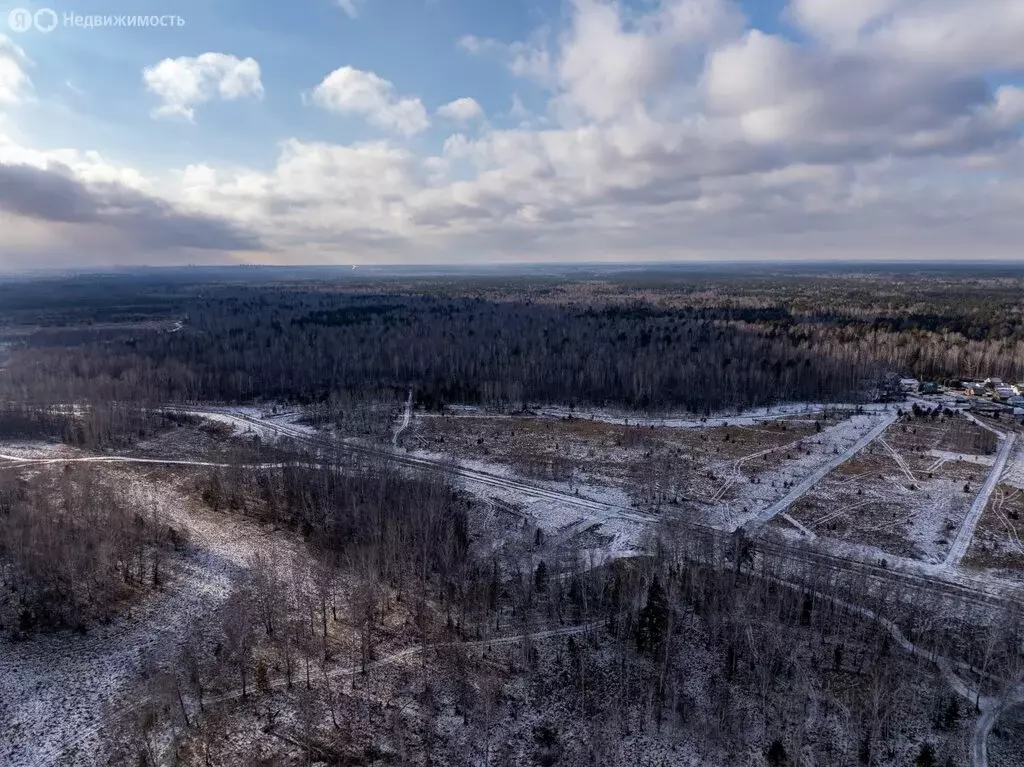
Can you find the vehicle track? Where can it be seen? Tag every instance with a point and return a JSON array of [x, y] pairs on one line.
[[965, 534], [805, 486]]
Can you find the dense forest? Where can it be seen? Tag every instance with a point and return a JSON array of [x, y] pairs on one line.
[[698, 343]]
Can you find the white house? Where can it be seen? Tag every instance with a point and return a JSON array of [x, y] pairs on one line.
[[910, 385]]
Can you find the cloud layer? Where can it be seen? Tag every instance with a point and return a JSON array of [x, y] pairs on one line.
[[889, 128]]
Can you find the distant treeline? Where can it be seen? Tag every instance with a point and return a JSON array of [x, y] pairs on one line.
[[699, 345], [305, 346]]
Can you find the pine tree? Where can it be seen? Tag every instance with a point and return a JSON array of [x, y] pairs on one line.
[[926, 758], [777, 754], [652, 625], [540, 577]]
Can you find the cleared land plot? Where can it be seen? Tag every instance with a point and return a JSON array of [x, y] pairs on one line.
[[719, 475], [999, 538], [558, 449], [905, 494]]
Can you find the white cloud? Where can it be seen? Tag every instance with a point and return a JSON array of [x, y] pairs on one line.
[[475, 45], [350, 91], [518, 111], [15, 85], [840, 20], [349, 7], [957, 35], [185, 82], [609, 58], [461, 110]]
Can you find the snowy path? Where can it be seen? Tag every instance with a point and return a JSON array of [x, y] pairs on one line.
[[900, 460], [15, 461], [410, 652], [803, 487], [973, 418], [962, 542], [991, 707], [55, 689], [281, 682], [406, 417]]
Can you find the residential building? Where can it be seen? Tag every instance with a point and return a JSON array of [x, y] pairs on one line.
[[910, 385]]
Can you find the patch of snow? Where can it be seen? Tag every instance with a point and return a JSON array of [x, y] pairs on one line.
[[21, 451], [838, 443], [55, 689]]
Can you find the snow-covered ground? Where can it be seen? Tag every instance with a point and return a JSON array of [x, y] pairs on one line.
[[942, 456], [1014, 475], [260, 421], [559, 509], [965, 534], [19, 451], [749, 417], [757, 503], [54, 689]]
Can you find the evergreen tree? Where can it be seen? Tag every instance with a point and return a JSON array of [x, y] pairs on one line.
[[926, 758], [652, 625], [776, 754], [540, 577]]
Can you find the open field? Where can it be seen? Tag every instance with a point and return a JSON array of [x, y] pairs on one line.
[[908, 493], [999, 538], [719, 475]]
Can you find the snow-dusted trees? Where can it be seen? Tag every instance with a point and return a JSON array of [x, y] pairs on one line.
[[72, 548]]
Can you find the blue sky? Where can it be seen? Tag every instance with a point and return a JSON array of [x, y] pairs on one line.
[[412, 43], [657, 129]]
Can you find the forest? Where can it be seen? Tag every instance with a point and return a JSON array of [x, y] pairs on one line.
[[696, 342]]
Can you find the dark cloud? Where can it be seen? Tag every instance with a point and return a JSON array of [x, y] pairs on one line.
[[54, 195]]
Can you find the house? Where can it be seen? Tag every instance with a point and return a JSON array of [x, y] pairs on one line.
[[910, 385], [974, 389], [1016, 401], [929, 387], [992, 383]]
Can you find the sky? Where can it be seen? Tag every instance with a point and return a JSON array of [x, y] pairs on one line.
[[476, 131]]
